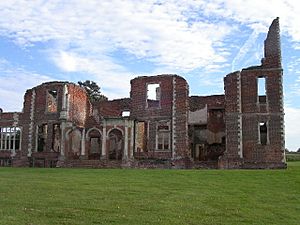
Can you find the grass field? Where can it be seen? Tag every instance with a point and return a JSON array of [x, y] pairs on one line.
[[129, 196]]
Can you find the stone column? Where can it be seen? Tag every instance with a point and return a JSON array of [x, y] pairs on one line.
[[173, 130], [83, 142], [31, 124], [1, 143], [14, 142], [63, 117], [103, 153], [131, 140], [125, 156], [63, 139]]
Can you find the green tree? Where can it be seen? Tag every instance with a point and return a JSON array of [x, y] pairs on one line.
[[93, 91]]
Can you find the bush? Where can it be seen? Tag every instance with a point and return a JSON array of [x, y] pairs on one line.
[[291, 157]]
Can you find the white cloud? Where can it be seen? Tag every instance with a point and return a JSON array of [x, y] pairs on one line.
[[169, 34], [162, 33], [66, 62], [259, 13], [292, 125], [294, 71], [113, 79], [247, 46], [14, 81]]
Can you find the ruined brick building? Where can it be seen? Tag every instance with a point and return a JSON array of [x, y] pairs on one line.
[[160, 125]]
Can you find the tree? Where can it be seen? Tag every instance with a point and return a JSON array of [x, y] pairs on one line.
[[93, 91]]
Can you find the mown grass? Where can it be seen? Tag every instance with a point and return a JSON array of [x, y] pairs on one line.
[[129, 196]]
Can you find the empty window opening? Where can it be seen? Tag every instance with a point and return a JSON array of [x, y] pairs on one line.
[[56, 137], [263, 133], [153, 95], [126, 113], [42, 137], [163, 136], [261, 89], [52, 100], [10, 138]]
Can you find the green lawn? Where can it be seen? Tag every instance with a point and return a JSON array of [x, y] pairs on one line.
[[130, 196]]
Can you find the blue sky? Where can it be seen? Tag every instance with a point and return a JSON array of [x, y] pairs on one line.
[[113, 41]]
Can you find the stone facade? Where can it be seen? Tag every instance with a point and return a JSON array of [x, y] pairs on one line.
[[159, 126]]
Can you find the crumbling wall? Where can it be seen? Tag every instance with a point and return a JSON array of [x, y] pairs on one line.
[[112, 108], [78, 133], [180, 118], [79, 105], [272, 48], [254, 122], [212, 101], [209, 110], [207, 127], [171, 106], [232, 156]]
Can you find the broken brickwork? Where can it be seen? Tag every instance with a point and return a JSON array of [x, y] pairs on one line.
[[159, 126], [255, 123], [164, 119], [207, 127]]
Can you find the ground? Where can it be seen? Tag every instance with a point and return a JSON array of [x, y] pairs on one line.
[[129, 196]]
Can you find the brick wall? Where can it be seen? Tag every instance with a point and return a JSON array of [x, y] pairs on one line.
[[173, 108], [79, 105], [272, 48], [113, 108], [232, 155], [139, 97], [212, 101], [180, 117], [245, 112]]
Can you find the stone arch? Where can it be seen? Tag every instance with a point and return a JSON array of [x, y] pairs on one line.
[[115, 144], [115, 128], [94, 143], [92, 129]]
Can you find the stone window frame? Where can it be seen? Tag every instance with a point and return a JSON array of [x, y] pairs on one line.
[[11, 131], [163, 132], [159, 101], [259, 132], [47, 100], [266, 90]]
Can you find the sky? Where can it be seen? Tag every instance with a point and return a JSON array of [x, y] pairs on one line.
[[113, 41]]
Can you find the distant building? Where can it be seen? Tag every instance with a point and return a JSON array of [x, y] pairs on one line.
[[160, 125]]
